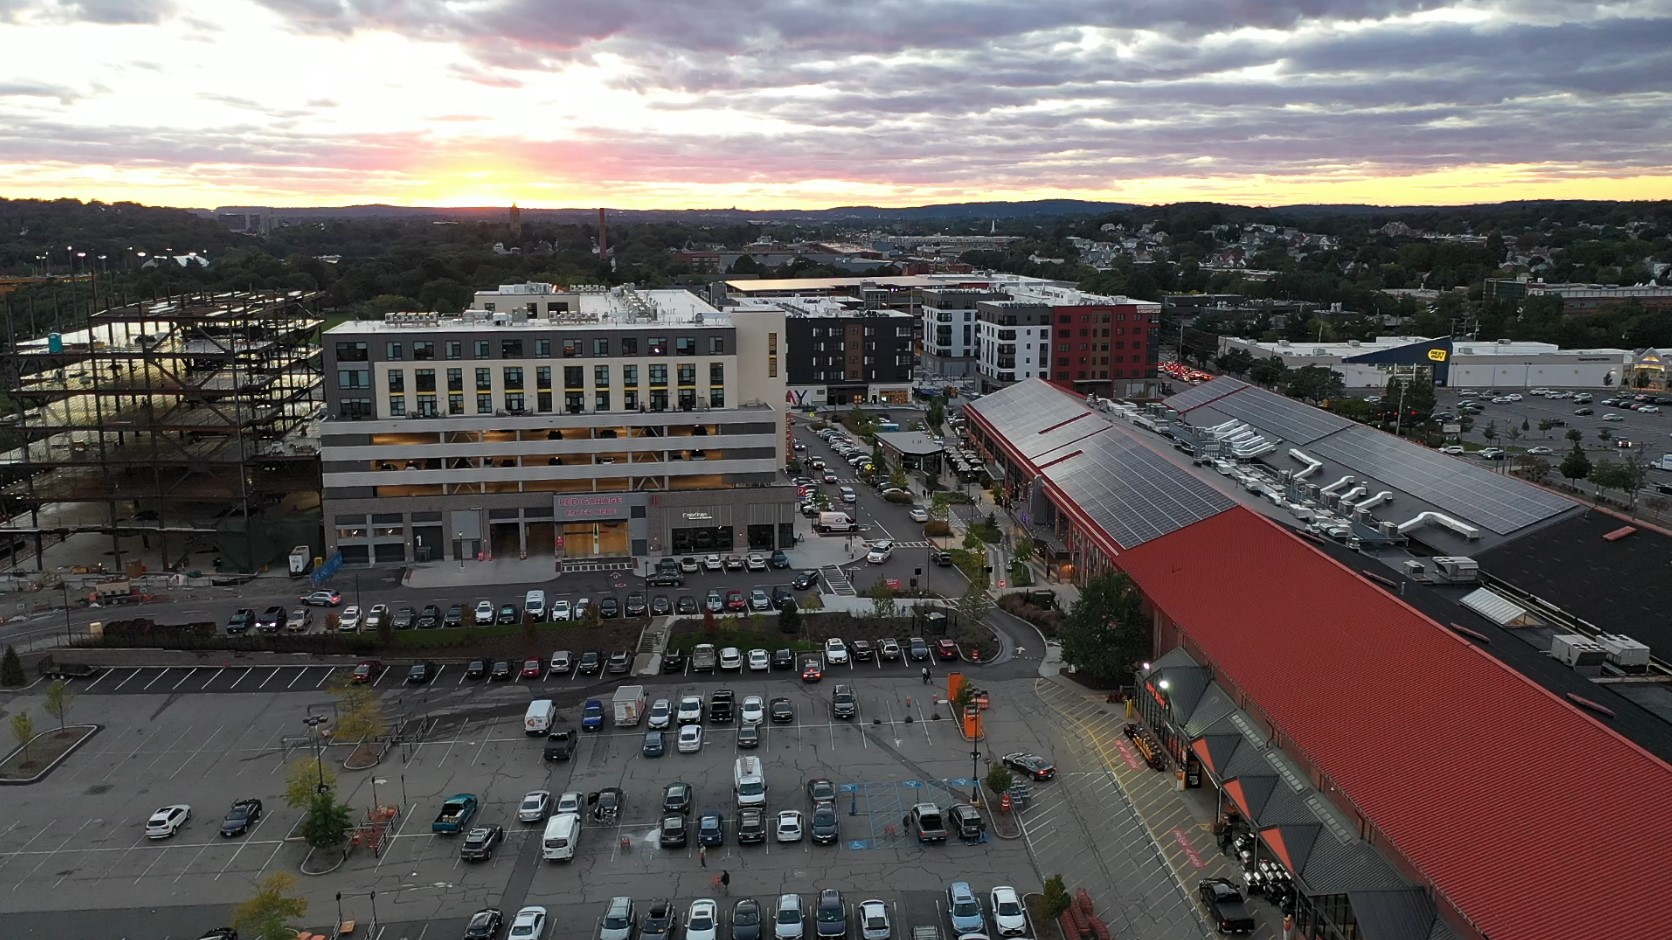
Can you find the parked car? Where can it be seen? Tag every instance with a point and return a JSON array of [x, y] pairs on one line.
[[789, 826], [243, 815], [167, 821], [1005, 905], [323, 598], [1030, 765], [831, 916], [1224, 905], [963, 908], [835, 651], [806, 580]]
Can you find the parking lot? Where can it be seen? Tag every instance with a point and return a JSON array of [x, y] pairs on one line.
[[1649, 431]]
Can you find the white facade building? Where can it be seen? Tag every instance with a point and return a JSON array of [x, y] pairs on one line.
[[1474, 363]]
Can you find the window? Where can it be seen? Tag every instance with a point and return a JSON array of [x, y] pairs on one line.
[[543, 377], [455, 403], [397, 380], [716, 373], [572, 402], [354, 378], [571, 348], [658, 400], [426, 406], [393, 351], [543, 402], [514, 402], [601, 400], [426, 380], [397, 406], [658, 376], [423, 351], [630, 376], [481, 349], [455, 380], [772, 367], [574, 377], [600, 347], [542, 349], [685, 345], [772, 352], [716, 345], [484, 404], [484, 380], [513, 378], [351, 352], [687, 374], [356, 407], [717, 397], [510, 349], [630, 399], [658, 346], [455, 350], [601, 376], [629, 346]]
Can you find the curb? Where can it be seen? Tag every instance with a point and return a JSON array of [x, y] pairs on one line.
[[1011, 816], [303, 868], [19, 782]]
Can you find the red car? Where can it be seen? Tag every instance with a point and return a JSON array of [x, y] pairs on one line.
[[367, 671], [811, 671], [736, 601], [533, 668], [946, 649]]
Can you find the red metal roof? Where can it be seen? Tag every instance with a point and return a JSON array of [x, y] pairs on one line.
[[1530, 816]]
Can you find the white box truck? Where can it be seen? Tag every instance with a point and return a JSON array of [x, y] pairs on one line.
[[301, 561], [629, 705]]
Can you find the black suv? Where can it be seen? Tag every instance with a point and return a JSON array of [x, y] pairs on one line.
[[676, 797], [454, 618], [751, 825], [608, 607], [720, 706], [863, 651], [660, 922], [478, 669], [782, 597], [635, 605], [430, 618], [590, 663], [240, 621]]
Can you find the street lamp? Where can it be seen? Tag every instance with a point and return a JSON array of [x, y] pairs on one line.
[[313, 722], [460, 537], [64, 586]]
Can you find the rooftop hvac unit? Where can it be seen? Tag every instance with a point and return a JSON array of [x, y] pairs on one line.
[[1456, 569], [1390, 530], [1412, 567], [1578, 652], [1625, 652]]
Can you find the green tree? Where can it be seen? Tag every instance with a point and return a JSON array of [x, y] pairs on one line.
[[11, 670], [1024, 550], [936, 416], [789, 619], [327, 821], [1536, 469], [1605, 434], [897, 478], [976, 603], [1527, 425], [1314, 384], [359, 713], [1056, 898], [1575, 435], [267, 914], [23, 729], [1490, 432], [1268, 371], [58, 700], [1611, 475], [301, 782], [1575, 466], [1546, 425], [1106, 634], [999, 778], [883, 605]]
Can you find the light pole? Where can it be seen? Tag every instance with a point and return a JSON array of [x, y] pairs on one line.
[[975, 753], [375, 781], [64, 587], [460, 549], [313, 722]]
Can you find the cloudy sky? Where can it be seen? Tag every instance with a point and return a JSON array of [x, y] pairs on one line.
[[785, 103]]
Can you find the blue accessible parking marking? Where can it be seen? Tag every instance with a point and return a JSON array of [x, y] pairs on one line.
[[859, 843]]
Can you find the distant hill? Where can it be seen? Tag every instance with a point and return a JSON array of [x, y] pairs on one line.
[[957, 211]]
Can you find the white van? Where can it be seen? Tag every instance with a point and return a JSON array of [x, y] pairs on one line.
[[834, 522], [535, 605], [749, 782], [539, 717], [563, 833]]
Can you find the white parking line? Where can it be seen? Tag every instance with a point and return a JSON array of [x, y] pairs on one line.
[[213, 675], [168, 749], [194, 754], [438, 671], [269, 678], [129, 679], [327, 677], [159, 857], [7, 860], [160, 674], [47, 857], [183, 678], [299, 674], [102, 677], [246, 675]]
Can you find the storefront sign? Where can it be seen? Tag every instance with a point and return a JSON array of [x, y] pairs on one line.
[[696, 516], [583, 508]]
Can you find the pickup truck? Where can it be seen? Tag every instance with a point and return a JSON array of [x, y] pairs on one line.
[[560, 745], [720, 706], [703, 658], [455, 814], [927, 820], [1223, 903]]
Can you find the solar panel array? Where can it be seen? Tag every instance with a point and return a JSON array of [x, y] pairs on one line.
[[1500, 503], [1064, 429], [1026, 407], [1202, 394], [1131, 492], [1290, 420]]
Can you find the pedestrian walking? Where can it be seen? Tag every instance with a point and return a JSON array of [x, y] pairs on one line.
[[702, 855], [725, 882], [925, 675]]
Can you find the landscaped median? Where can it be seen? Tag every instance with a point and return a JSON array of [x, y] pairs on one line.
[[32, 761]]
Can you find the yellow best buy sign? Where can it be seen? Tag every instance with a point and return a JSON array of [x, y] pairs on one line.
[[1437, 355]]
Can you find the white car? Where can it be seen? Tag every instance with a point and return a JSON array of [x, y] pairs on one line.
[[1611, 416], [1502, 400], [484, 613], [702, 921], [829, 477], [919, 514], [873, 920], [1008, 915], [788, 921], [529, 924], [731, 658], [880, 552], [167, 821], [1512, 396], [759, 660], [1649, 410], [690, 739], [1456, 450], [835, 651], [350, 620], [754, 709], [690, 710], [661, 714], [562, 663], [561, 611], [570, 802], [377, 616], [535, 805], [1539, 452], [789, 825], [755, 562], [713, 563]]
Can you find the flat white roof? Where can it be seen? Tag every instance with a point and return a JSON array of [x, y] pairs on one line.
[[615, 308]]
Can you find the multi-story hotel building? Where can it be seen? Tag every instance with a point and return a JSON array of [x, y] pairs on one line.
[[574, 423], [1013, 342], [840, 354]]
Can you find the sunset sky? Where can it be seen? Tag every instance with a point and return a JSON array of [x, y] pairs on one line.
[[814, 103]]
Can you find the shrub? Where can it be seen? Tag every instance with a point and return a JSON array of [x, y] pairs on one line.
[[936, 528], [1048, 621], [999, 778], [11, 670], [1056, 896]]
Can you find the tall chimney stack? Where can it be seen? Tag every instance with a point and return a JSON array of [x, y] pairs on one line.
[[603, 237]]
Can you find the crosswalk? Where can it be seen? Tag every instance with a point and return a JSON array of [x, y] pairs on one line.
[[836, 577]]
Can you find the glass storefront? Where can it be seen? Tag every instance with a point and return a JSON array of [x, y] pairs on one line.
[[702, 539]]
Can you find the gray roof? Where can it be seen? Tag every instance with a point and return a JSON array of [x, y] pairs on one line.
[[1393, 913], [915, 443]]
